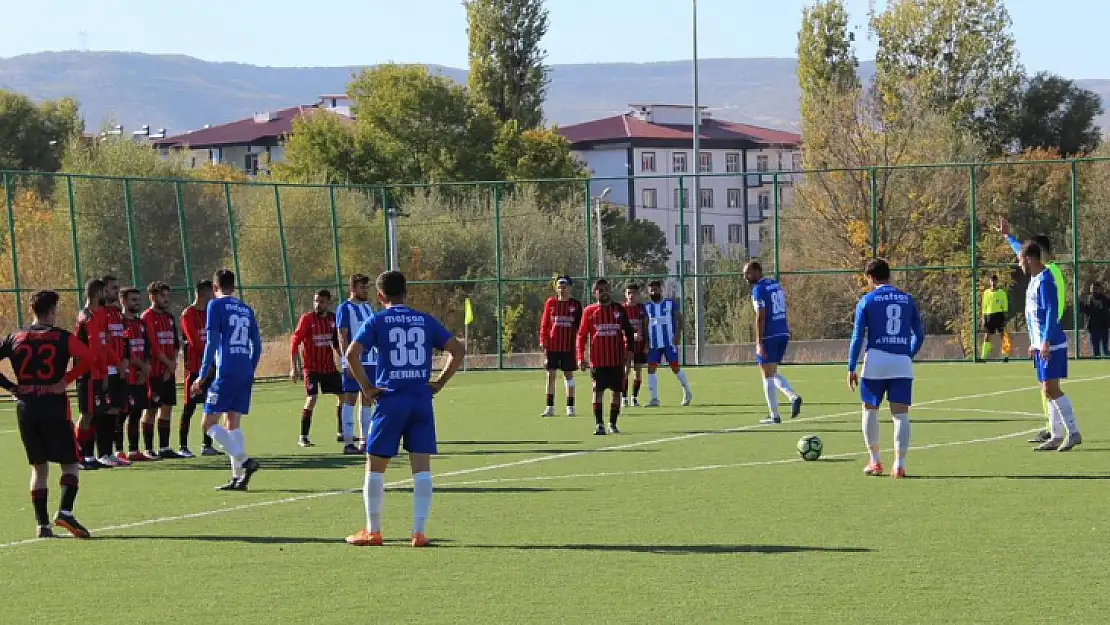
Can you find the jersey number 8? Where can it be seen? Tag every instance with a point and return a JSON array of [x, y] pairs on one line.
[[408, 347], [893, 320]]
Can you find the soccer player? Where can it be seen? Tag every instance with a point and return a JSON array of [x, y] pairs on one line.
[[349, 317], [39, 355], [664, 333], [894, 334], [161, 331], [402, 391], [92, 399], [116, 392], [607, 331], [559, 323], [316, 331], [635, 313], [138, 369], [772, 336], [232, 347], [996, 303], [1061, 289], [193, 322], [1048, 345]]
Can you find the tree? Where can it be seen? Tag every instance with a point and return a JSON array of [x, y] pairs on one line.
[[33, 138], [324, 148], [638, 246], [1053, 113], [507, 69]]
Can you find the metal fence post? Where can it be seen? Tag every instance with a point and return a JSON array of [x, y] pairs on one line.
[[335, 240], [384, 193], [133, 248], [77, 278], [589, 238], [232, 239], [284, 257], [680, 238], [497, 266], [775, 190], [974, 329], [9, 194], [873, 188], [178, 194], [1076, 291]]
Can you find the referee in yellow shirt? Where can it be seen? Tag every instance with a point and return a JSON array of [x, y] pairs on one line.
[[996, 303]]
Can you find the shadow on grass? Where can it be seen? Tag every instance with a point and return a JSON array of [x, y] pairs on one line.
[[496, 443], [763, 405], [773, 430], [254, 540], [677, 549], [305, 461], [915, 419], [499, 452], [1060, 476]]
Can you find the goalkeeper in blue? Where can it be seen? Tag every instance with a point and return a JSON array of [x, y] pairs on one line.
[[402, 390], [889, 320], [772, 336], [1048, 345]]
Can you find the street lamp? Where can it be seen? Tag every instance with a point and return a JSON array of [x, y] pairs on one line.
[[600, 231]]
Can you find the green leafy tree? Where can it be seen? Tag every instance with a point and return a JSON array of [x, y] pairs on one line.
[[638, 246], [33, 138], [1052, 113], [324, 148], [507, 69]]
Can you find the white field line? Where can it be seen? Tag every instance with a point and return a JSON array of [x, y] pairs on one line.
[[524, 462]]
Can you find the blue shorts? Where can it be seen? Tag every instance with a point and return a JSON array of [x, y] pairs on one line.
[[229, 395], [896, 390], [402, 416], [775, 348], [350, 384], [1055, 369], [659, 354]]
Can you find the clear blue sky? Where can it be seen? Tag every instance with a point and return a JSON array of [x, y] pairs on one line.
[[1064, 36]]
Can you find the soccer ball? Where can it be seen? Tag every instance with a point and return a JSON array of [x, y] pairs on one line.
[[810, 447]]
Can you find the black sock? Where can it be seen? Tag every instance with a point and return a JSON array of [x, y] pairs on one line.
[[614, 412], [121, 423], [570, 401], [105, 434], [624, 388], [164, 434], [38, 500], [148, 436], [597, 414], [550, 398], [339, 419], [87, 438], [636, 388], [69, 493], [185, 423], [133, 429], [306, 421]]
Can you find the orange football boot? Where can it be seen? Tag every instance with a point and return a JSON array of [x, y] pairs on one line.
[[419, 540], [364, 538]]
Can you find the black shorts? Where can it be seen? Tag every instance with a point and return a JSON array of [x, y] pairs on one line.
[[326, 383], [560, 361], [995, 323], [639, 357], [198, 399], [137, 397], [608, 378], [162, 392], [117, 392], [92, 399], [47, 431]]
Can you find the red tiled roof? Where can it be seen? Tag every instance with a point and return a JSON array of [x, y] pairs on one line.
[[244, 131], [625, 127]]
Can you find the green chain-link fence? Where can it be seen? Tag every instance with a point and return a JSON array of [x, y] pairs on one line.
[[500, 243]]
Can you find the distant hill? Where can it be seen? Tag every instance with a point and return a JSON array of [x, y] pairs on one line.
[[181, 93]]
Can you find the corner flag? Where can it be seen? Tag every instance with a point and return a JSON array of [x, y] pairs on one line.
[[468, 313]]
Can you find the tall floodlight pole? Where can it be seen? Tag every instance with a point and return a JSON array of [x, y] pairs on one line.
[[699, 308]]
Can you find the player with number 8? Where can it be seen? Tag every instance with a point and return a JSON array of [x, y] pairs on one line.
[[772, 336]]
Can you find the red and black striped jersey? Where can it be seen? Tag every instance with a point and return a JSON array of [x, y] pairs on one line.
[[161, 331], [40, 355], [193, 326], [92, 330], [138, 348], [636, 315], [317, 333], [609, 334], [559, 324], [114, 317]]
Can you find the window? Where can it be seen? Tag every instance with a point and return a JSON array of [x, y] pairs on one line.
[[649, 199], [705, 197], [796, 161], [250, 164], [687, 267], [734, 198], [732, 163], [679, 198], [735, 233], [707, 235], [705, 162], [764, 201], [681, 237], [678, 162], [762, 162], [647, 162]]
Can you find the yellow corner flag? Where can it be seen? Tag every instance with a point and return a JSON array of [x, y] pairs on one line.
[[468, 314]]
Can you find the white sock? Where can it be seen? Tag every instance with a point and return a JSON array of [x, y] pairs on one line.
[[220, 435], [348, 423], [681, 375], [365, 415], [1055, 420], [871, 433], [901, 439], [784, 386], [421, 500], [653, 386], [771, 395], [238, 453], [1067, 413], [373, 492]]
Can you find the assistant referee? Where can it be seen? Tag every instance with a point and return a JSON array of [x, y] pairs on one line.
[[996, 303]]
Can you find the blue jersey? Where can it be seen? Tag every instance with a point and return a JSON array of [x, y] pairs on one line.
[[892, 324], [350, 316], [233, 343], [1041, 305], [662, 322], [404, 338], [768, 295]]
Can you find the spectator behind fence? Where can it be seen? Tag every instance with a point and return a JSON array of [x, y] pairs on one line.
[[1096, 306]]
